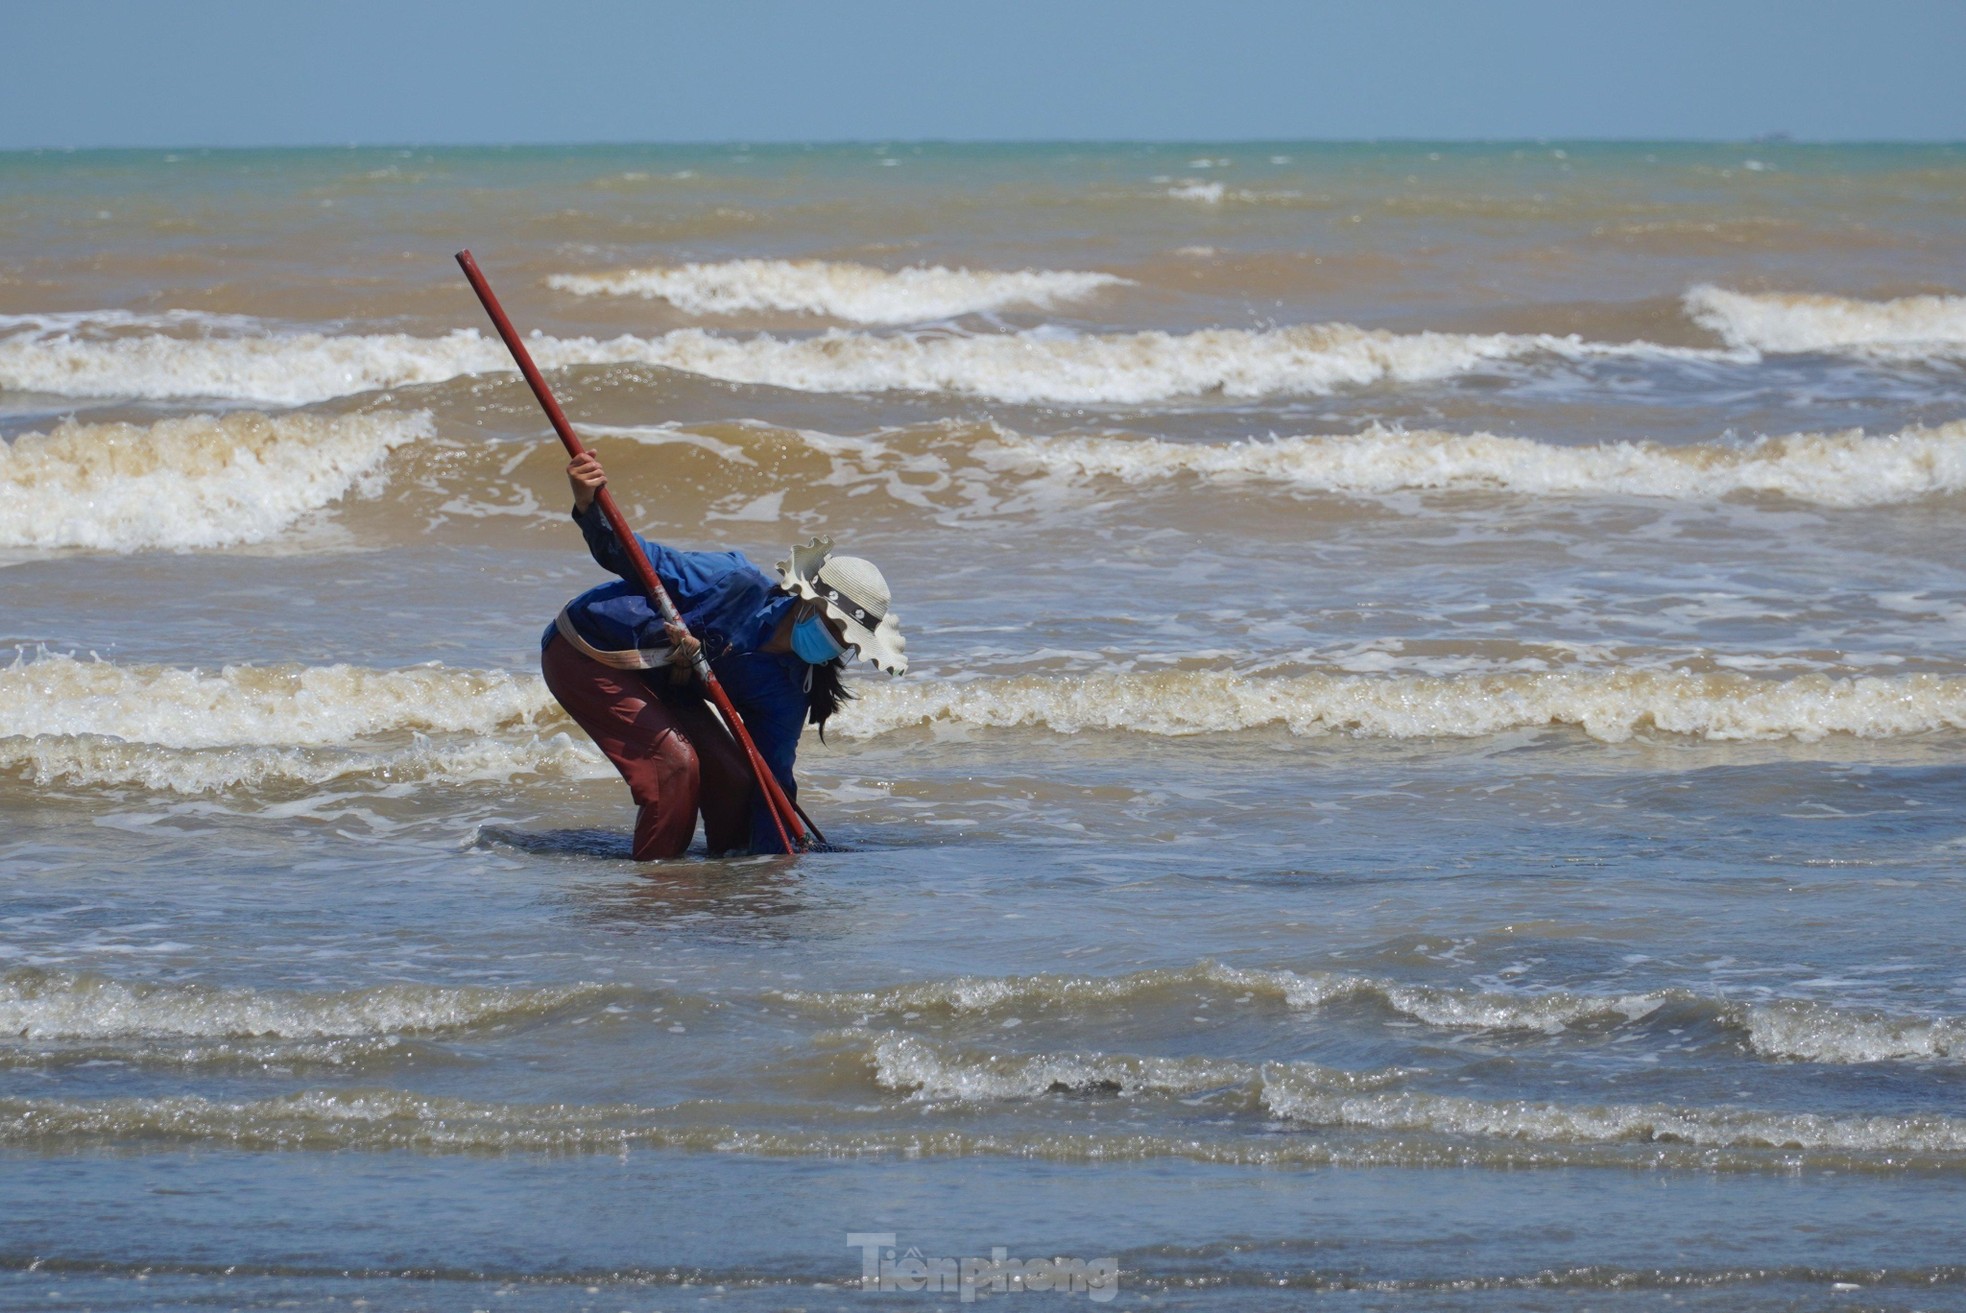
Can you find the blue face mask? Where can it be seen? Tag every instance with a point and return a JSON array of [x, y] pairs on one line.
[[814, 642]]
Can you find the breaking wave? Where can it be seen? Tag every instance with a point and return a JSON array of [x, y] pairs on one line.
[[1039, 365], [103, 322], [1610, 706], [190, 731], [924, 1071], [1781, 321], [205, 481], [983, 469], [1406, 1112], [1818, 1032], [855, 292], [197, 481], [1049, 366], [93, 761], [1829, 469], [277, 705], [289, 369], [1780, 1028], [1385, 1128], [1371, 1101], [67, 1005], [52, 355]]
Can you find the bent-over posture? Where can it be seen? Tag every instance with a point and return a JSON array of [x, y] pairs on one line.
[[779, 647]]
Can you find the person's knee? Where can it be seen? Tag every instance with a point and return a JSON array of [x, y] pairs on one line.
[[670, 773]]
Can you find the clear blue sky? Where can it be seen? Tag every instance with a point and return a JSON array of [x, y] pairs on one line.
[[294, 72]]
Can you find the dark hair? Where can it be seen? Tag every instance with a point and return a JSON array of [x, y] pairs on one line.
[[827, 693]]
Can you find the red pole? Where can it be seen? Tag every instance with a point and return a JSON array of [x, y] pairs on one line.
[[784, 814]]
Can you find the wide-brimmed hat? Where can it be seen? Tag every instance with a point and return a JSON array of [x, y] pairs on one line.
[[853, 593]]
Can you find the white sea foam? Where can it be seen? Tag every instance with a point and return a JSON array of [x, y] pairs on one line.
[[1610, 706], [1818, 1032], [109, 322], [1049, 366], [931, 1073], [78, 711], [910, 1063], [1830, 469], [1415, 1130], [95, 762], [1782, 1028], [285, 369], [1912, 325], [1038, 365], [1453, 1009], [67, 1005], [1407, 1112], [71, 356], [190, 731], [92, 722], [985, 468], [275, 705], [1373, 1101], [1194, 189], [373, 1119], [855, 292], [197, 481]]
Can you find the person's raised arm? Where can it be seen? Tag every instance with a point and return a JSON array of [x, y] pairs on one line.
[[586, 477]]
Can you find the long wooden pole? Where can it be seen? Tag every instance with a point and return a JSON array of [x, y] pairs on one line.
[[784, 815]]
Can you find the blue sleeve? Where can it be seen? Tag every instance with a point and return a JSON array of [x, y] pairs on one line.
[[606, 548], [718, 588], [779, 750]]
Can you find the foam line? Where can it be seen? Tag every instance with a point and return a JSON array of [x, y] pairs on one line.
[[1789, 322], [854, 292]]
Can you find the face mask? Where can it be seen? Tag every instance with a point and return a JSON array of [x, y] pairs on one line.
[[814, 642]]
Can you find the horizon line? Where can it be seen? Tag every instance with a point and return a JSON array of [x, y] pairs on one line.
[[757, 143]]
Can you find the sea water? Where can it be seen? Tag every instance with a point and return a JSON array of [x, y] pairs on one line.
[[1431, 771]]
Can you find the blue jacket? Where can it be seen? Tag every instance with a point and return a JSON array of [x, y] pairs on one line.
[[732, 607]]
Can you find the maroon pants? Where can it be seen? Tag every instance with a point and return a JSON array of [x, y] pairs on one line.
[[673, 751]]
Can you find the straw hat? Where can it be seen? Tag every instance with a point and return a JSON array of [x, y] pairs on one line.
[[853, 593]]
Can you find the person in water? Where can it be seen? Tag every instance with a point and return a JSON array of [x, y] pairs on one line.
[[779, 647]]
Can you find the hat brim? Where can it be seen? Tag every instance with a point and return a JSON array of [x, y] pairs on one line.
[[881, 644]]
